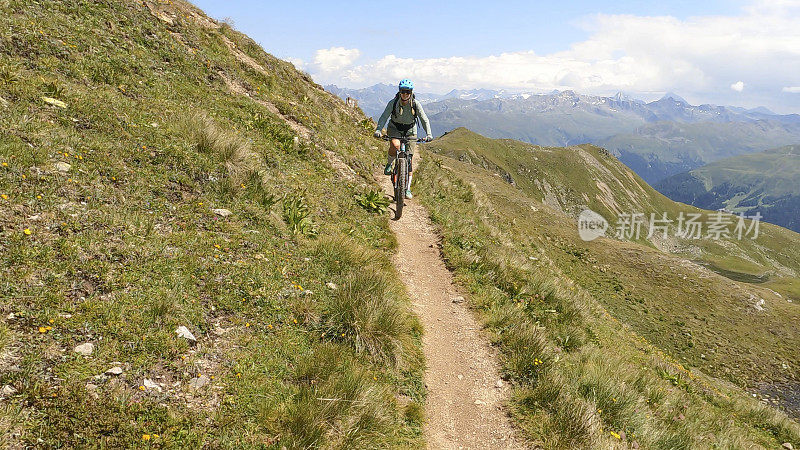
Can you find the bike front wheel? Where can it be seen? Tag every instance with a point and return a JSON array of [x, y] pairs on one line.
[[400, 186]]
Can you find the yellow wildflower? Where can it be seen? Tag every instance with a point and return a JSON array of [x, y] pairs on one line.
[[27, 231], [145, 437]]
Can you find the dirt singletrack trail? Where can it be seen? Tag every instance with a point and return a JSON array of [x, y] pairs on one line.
[[465, 393]]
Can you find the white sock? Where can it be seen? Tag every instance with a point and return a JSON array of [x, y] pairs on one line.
[[411, 175]]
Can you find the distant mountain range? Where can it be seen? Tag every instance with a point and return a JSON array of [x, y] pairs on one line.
[[656, 139], [373, 99], [766, 182]]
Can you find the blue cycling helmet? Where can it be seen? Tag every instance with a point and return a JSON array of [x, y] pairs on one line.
[[405, 83]]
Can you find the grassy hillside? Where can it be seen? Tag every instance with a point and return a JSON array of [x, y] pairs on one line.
[[614, 336], [159, 170], [767, 183], [586, 176]]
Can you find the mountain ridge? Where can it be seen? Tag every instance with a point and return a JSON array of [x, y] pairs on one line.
[[657, 139]]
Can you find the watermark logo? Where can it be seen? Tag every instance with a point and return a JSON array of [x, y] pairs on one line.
[[591, 225], [632, 226]]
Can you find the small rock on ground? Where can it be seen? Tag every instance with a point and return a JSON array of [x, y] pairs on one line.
[[788, 446], [84, 349], [458, 299], [116, 370], [62, 166], [149, 384], [332, 286], [222, 212], [184, 332], [8, 390], [199, 382]]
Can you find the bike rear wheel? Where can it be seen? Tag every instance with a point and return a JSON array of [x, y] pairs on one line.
[[400, 186]]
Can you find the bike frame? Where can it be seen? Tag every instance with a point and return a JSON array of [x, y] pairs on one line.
[[399, 176]]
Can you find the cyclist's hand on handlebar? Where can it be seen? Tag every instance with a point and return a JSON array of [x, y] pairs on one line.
[[377, 134]]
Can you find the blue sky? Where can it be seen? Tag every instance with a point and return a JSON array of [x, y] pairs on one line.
[[438, 29], [726, 52]]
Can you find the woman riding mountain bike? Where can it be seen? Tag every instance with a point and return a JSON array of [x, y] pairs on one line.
[[404, 110]]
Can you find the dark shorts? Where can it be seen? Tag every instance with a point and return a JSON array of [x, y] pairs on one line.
[[393, 132]]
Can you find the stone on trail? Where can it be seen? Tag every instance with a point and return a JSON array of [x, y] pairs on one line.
[[788, 446], [222, 212], [62, 166], [458, 299]]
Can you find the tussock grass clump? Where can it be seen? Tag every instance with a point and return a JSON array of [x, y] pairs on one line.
[[616, 403], [225, 146], [568, 422], [525, 353], [366, 312], [337, 403]]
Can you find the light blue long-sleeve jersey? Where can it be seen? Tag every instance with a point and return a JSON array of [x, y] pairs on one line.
[[405, 116]]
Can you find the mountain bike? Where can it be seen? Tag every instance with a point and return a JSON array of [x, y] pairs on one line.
[[402, 167]]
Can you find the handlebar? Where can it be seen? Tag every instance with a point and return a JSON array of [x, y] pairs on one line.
[[402, 139]]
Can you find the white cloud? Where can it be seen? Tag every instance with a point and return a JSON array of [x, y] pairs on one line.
[[738, 86], [693, 57], [298, 63], [335, 58], [791, 89]]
